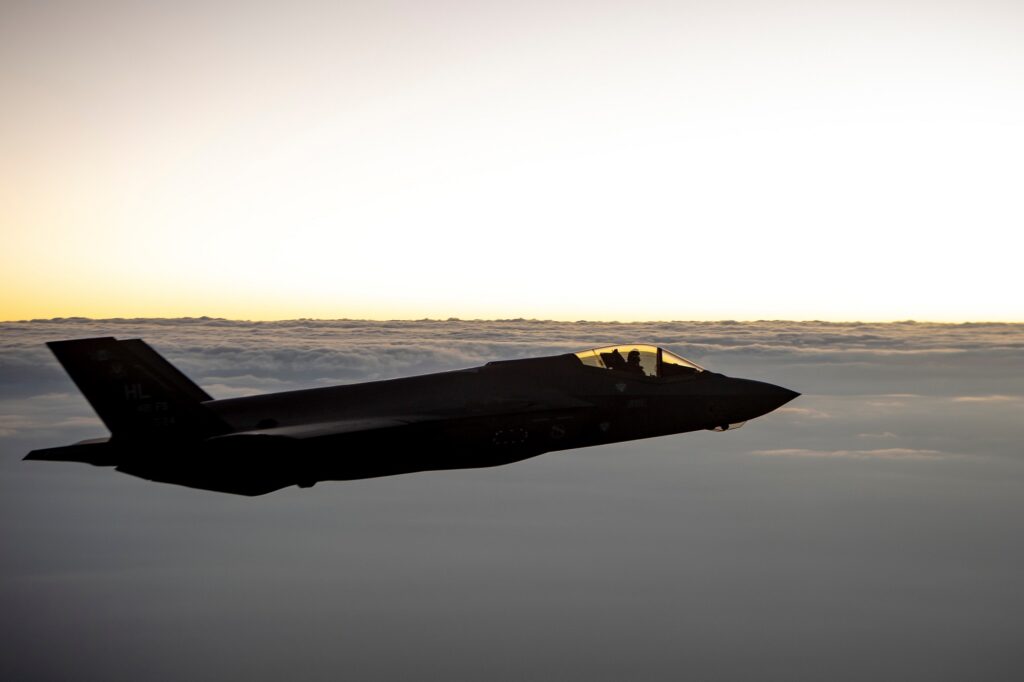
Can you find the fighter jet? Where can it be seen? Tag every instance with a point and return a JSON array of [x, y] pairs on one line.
[[166, 428]]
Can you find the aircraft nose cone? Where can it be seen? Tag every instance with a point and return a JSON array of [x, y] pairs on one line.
[[781, 395], [762, 398]]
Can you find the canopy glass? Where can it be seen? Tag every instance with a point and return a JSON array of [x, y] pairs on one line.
[[639, 358]]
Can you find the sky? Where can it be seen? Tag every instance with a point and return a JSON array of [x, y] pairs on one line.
[[870, 529], [741, 160]]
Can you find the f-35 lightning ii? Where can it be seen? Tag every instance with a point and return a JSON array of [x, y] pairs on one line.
[[166, 428]]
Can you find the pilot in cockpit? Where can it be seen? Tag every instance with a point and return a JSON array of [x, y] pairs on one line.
[[633, 362]]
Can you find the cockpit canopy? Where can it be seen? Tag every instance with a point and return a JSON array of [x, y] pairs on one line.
[[639, 358]]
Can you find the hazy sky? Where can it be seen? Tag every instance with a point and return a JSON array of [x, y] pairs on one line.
[[567, 160], [869, 530]]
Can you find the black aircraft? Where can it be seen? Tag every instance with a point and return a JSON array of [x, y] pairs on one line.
[[165, 428]]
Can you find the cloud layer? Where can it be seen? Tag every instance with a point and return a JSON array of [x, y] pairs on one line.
[[881, 511], [814, 357]]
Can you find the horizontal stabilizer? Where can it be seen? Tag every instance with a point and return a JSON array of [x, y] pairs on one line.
[[97, 452]]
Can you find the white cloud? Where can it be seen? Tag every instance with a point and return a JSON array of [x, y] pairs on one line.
[[987, 398], [807, 412], [10, 424], [883, 453]]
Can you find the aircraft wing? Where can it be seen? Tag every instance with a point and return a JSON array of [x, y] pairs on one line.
[[366, 425], [331, 428]]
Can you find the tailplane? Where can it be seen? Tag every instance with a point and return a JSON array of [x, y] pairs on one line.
[[135, 391]]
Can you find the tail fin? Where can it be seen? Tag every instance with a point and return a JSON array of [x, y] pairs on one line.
[[135, 391]]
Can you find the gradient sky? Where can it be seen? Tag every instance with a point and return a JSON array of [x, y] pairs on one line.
[[568, 160]]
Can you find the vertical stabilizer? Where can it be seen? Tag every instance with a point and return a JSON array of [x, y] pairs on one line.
[[135, 391]]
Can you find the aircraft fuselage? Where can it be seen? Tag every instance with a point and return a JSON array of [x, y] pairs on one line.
[[498, 413]]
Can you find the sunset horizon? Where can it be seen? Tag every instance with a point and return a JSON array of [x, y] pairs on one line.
[[840, 161], [566, 320]]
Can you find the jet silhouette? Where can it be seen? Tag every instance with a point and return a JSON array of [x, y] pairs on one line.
[[166, 428]]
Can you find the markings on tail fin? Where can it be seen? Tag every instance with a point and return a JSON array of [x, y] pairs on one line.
[[135, 392]]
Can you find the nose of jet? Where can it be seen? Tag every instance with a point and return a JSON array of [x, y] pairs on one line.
[[770, 396], [761, 397], [782, 395]]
